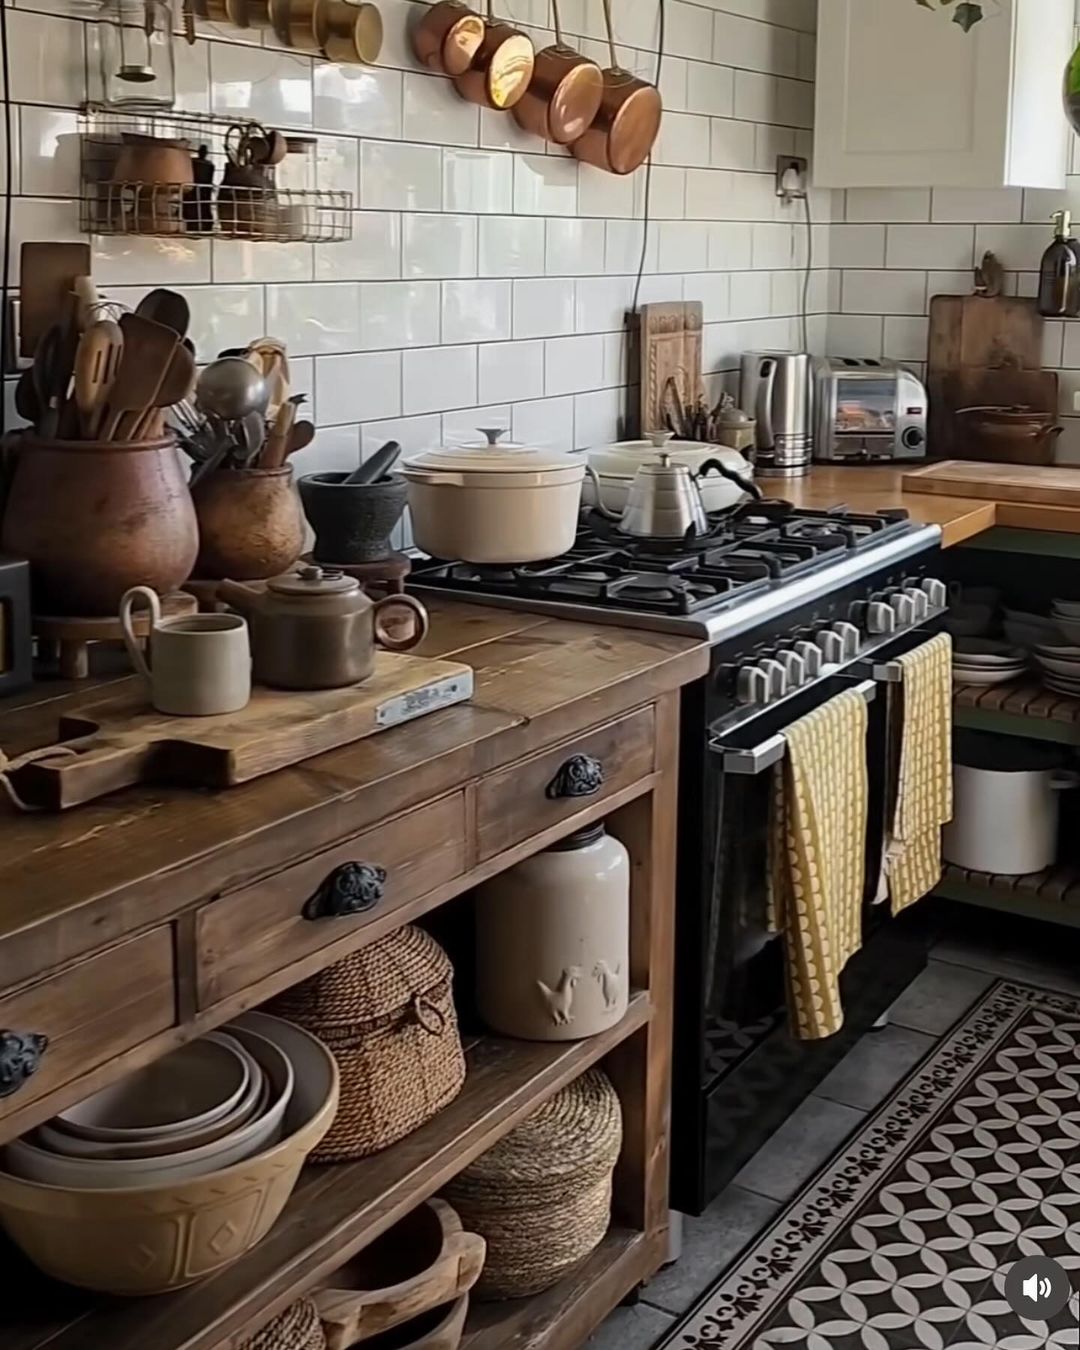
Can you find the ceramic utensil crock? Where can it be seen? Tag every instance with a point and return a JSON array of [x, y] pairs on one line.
[[553, 941], [199, 666], [316, 629]]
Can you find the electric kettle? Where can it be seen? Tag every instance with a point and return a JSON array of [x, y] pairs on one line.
[[776, 389]]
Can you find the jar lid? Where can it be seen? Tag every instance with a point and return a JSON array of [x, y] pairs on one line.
[[582, 838], [313, 580]]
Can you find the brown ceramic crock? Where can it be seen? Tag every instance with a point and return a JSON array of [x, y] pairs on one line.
[[96, 518], [251, 523], [316, 629]]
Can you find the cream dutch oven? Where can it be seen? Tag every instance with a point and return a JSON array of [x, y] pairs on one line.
[[494, 503], [616, 464]]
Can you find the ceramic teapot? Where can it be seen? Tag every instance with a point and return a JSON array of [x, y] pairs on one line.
[[316, 629]]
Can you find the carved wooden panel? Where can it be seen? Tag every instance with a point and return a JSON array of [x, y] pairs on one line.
[[670, 346]]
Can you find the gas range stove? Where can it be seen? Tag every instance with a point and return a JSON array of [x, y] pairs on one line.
[[754, 563]]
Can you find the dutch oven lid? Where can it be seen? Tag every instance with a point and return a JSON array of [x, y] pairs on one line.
[[1004, 754], [492, 457], [370, 983]]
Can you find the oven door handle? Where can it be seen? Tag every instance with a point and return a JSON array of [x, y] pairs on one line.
[[750, 762]]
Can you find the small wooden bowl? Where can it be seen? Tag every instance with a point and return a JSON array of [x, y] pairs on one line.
[[348, 32]]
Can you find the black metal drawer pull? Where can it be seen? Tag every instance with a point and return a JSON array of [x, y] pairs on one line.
[[580, 776], [352, 888], [20, 1058]]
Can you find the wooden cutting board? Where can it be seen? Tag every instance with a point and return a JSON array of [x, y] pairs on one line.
[[670, 348], [120, 740], [1052, 485]]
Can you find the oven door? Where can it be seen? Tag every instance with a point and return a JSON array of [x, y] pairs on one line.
[[738, 1071]]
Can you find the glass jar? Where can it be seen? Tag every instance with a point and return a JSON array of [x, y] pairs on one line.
[[138, 66]]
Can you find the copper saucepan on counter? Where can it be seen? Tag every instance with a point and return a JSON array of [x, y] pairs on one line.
[[501, 68], [625, 128], [447, 38], [564, 94]]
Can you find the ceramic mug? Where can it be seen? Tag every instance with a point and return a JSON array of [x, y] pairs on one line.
[[200, 664]]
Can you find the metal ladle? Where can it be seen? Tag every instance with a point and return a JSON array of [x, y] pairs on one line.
[[230, 388]]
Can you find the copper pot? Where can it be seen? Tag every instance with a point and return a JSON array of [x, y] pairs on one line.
[[501, 68], [564, 94], [448, 36], [1016, 435], [624, 130], [348, 32]]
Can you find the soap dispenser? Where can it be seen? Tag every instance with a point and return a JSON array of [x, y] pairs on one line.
[[1059, 275]]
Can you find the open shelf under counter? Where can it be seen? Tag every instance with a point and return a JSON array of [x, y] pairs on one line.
[[1021, 708], [1053, 894], [337, 1209]]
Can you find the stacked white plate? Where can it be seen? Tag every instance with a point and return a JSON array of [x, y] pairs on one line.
[[983, 661], [1066, 617], [1027, 630], [1060, 668]]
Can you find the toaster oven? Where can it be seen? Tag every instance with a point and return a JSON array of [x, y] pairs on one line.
[[867, 410]]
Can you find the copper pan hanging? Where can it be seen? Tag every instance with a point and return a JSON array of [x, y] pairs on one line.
[[624, 131], [501, 68], [564, 93], [447, 37]]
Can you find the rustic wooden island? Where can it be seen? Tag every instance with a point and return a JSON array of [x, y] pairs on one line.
[[134, 923]]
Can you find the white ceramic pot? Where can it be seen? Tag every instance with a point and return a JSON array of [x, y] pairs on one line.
[[553, 941], [615, 466], [494, 503], [1005, 807]]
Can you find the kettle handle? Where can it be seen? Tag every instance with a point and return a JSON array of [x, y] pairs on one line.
[[420, 626], [747, 484], [605, 511], [766, 381]]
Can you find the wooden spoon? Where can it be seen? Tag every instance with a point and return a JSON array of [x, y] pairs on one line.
[[165, 307], [148, 350], [97, 360], [177, 384]]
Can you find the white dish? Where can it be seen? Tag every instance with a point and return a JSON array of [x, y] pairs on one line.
[[1068, 669], [985, 677], [1070, 630], [1058, 651], [1068, 690], [1070, 608], [987, 648]]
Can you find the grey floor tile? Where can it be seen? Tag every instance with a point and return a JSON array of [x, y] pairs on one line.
[[1027, 967], [710, 1243], [873, 1067], [809, 1136], [636, 1328], [940, 995]]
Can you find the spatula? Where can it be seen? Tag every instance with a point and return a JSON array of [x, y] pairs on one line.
[[165, 307], [97, 361], [177, 384], [148, 350]]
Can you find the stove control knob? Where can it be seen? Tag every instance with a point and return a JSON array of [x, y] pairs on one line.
[[880, 618], [920, 600], [831, 645], [905, 610], [849, 636], [777, 677], [752, 686], [936, 592], [812, 658], [794, 668]]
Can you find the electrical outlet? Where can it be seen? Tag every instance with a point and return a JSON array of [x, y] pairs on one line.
[[792, 177]]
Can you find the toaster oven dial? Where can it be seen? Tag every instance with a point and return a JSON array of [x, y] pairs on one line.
[[880, 618], [913, 438]]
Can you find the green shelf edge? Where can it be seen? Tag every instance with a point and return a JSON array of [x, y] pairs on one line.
[[1016, 724], [1009, 902]]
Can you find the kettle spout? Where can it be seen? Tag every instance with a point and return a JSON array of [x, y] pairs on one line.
[[241, 597]]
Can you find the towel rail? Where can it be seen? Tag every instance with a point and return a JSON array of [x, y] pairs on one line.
[[756, 759]]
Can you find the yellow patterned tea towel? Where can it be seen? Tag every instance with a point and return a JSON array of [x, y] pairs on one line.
[[924, 792], [817, 869]]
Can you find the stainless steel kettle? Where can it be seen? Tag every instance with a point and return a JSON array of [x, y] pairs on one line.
[[776, 388], [664, 501]]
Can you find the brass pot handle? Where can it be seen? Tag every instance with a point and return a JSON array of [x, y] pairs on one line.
[[352, 888], [580, 776], [20, 1058], [420, 625]]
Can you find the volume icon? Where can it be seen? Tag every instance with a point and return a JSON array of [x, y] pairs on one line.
[[1037, 1287]]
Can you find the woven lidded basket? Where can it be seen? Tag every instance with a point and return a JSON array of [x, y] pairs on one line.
[[387, 1014], [297, 1328], [542, 1196]]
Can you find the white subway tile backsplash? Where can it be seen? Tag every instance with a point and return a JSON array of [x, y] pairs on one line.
[[732, 144], [337, 165], [433, 111], [771, 142], [667, 193], [477, 181], [623, 250], [975, 206], [601, 303], [752, 45], [751, 295], [475, 311], [730, 246], [596, 415], [372, 254], [363, 99], [1053, 338], [873, 292], [673, 82], [757, 97], [688, 29], [547, 422], [604, 194], [126, 259], [1018, 247], [683, 140], [1071, 351], [543, 308], [511, 246], [573, 365], [713, 289], [858, 245], [905, 339], [274, 87], [947, 283], [438, 246], [574, 247], [358, 387], [245, 260], [411, 433], [855, 335], [707, 193], [399, 177], [545, 185], [313, 319], [684, 246], [224, 316], [435, 378], [48, 152], [511, 371], [49, 63], [399, 314], [709, 89], [462, 426], [888, 205], [773, 245], [929, 246]]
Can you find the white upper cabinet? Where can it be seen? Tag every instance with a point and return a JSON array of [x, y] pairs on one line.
[[906, 98]]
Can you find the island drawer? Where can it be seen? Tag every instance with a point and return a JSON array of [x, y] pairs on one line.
[[249, 934], [541, 791], [65, 1025]]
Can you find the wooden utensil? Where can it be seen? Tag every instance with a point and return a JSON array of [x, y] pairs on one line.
[[47, 275], [52, 374], [276, 449], [97, 360], [177, 384], [301, 436], [624, 130], [148, 350], [165, 307]]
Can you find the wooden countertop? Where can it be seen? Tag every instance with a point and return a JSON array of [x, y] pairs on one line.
[[120, 864], [878, 488]]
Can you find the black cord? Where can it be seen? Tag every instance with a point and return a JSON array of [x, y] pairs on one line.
[[6, 327], [809, 267], [646, 218]]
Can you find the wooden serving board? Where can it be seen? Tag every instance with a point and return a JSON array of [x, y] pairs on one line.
[[120, 741], [1050, 485], [670, 338]]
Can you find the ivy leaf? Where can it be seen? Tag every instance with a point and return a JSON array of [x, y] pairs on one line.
[[968, 15]]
